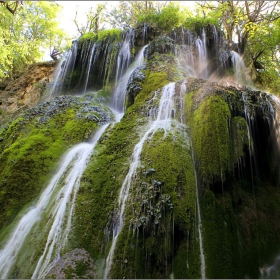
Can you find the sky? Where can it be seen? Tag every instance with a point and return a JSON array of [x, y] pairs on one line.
[[67, 15]]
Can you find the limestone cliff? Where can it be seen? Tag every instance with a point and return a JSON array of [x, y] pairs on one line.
[[25, 89]]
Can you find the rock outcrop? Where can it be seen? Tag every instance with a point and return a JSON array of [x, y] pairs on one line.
[[26, 89]]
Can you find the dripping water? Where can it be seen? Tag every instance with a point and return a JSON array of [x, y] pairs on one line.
[[61, 206], [163, 121], [202, 258]]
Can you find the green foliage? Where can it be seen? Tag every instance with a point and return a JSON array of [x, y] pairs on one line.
[[88, 36], [154, 80], [170, 17], [113, 33], [25, 34], [196, 23]]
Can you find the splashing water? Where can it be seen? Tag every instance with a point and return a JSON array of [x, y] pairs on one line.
[[60, 199], [163, 120]]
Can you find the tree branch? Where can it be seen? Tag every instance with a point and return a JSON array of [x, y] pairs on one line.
[[9, 8]]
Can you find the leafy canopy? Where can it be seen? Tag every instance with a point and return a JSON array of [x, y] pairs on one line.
[[26, 33]]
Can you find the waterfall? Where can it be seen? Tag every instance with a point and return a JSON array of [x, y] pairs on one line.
[[120, 91], [52, 88], [57, 200], [88, 68], [163, 120], [67, 68], [144, 33], [124, 55], [202, 56], [240, 70]]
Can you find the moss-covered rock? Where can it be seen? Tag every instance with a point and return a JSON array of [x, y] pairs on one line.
[[33, 144]]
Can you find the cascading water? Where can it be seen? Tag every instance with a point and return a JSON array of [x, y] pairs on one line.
[[56, 76], [202, 56], [124, 55], [88, 68], [240, 70], [66, 69], [120, 91], [144, 33], [163, 120], [57, 200]]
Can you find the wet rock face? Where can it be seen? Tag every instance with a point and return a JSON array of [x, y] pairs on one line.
[[25, 89], [46, 110], [73, 265], [161, 45], [134, 84]]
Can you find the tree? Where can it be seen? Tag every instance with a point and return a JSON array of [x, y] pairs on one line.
[[95, 18], [11, 6], [241, 18], [130, 13], [25, 33]]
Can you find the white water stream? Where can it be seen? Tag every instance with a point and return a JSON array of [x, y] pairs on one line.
[[120, 91], [89, 68], [163, 120], [60, 196], [202, 258], [202, 57], [240, 70], [65, 67]]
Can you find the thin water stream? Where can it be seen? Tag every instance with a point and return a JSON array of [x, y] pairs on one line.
[[163, 121]]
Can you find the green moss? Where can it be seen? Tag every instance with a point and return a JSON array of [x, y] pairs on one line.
[[89, 36], [211, 137], [113, 33], [220, 239], [101, 183], [239, 136], [153, 81], [30, 152], [161, 211]]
